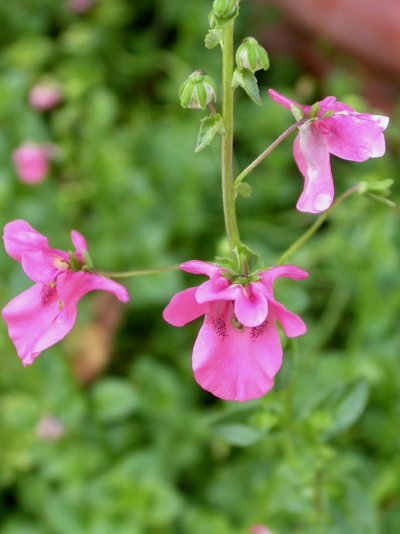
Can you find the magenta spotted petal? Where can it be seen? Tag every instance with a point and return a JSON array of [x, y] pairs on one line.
[[335, 129], [238, 350]]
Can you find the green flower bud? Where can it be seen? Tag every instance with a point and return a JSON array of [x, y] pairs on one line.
[[225, 8], [223, 11], [197, 91], [252, 56]]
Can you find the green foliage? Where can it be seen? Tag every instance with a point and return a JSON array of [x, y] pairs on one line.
[[143, 450]]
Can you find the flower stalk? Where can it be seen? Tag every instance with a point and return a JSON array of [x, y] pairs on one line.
[[141, 272], [228, 193], [268, 151], [314, 227]]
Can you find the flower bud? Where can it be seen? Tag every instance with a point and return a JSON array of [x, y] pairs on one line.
[[31, 162], [252, 56], [45, 96], [223, 11], [197, 91], [225, 8]]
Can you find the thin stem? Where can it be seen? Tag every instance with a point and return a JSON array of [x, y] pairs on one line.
[[142, 272], [267, 151], [311, 231], [228, 193]]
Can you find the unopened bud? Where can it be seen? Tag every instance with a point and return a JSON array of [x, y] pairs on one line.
[[252, 56], [223, 12], [225, 8], [197, 91]]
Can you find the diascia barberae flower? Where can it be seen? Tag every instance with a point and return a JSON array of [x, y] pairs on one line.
[[238, 350], [333, 128], [43, 314]]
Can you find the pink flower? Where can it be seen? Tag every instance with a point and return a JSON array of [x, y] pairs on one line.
[[45, 96], [45, 313], [79, 6], [333, 128], [238, 350], [259, 529], [31, 162]]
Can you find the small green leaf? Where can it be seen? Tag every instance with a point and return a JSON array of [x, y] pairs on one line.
[[245, 252], [248, 82], [244, 189], [209, 127], [239, 435], [213, 38]]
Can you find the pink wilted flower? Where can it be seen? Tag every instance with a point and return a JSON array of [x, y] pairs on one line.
[[238, 350], [45, 96], [45, 313], [31, 162], [333, 128]]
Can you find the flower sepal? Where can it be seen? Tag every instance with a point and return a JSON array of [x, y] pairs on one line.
[[252, 56], [197, 91], [223, 12], [247, 81]]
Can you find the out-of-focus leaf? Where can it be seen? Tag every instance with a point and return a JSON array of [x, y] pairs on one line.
[[236, 434], [113, 399]]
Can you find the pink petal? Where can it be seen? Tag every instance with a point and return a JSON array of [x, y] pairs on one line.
[[251, 306], [200, 267], [288, 271], [217, 289], [329, 103], [235, 364], [355, 137], [79, 242], [292, 324], [32, 320], [19, 236], [72, 286], [184, 308], [283, 100], [312, 157], [24, 244]]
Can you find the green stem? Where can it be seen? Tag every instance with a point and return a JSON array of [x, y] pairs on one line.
[[228, 193], [267, 151], [311, 231], [142, 272]]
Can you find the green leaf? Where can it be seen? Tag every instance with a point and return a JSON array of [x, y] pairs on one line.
[[113, 399], [209, 127], [244, 189], [213, 38], [346, 405], [378, 185], [237, 434], [248, 82]]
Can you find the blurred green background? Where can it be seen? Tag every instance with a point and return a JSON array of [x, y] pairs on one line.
[[107, 431]]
